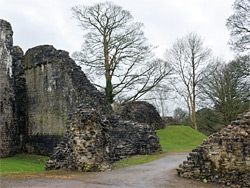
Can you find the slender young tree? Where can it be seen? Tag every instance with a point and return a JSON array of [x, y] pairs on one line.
[[188, 56], [116, 51]]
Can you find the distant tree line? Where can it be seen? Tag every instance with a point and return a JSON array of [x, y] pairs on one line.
[[225, 92]]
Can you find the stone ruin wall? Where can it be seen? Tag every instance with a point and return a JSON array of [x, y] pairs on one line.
[[224, 157], [86, 145], [55, 86], [129, 137], [94, 141], [6, 90], [12, 110], [37, 92]]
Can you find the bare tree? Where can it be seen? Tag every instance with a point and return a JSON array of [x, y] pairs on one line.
[[239, 26], [189, 58], [116, 50], [160, 96]]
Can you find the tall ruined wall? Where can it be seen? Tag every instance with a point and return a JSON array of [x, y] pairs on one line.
[[55, 86], [20, 104], [6, 90], [224, 157], [11, 88]]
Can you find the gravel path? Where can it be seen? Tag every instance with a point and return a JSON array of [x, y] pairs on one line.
[[159, 173]]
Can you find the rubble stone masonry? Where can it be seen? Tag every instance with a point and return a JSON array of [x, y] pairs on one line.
[[224, 157], [93, 141]]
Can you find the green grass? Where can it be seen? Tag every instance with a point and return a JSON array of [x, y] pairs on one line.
[[179, 138], [23, 163]]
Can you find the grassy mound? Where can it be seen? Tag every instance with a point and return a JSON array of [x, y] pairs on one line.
[[179, 138], [23, 163]]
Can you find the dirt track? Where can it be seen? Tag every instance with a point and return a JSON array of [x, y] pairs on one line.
[[159, 173]]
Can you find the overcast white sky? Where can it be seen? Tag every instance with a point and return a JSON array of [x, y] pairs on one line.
[[37, 22]]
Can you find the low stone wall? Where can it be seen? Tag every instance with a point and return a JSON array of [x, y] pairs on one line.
[[131, 138], [93, 141], [224, 157]]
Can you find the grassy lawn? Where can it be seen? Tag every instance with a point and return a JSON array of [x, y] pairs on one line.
[[179, 138], [23, 163], [172, 139]]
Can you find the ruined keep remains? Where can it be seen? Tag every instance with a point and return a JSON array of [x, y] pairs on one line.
[[55, 86], [141, 112], [224, 157], [49, 107]]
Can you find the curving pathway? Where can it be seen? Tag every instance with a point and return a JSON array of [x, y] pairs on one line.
[[157, 174]]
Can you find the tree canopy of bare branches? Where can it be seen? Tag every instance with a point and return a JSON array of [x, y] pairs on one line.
[[116, 50], [239, 26], [189, 57]]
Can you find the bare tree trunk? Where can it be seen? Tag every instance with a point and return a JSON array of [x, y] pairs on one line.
[[191, 112], [193, 102], [109, 86], [194, 118], [162, 108]]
